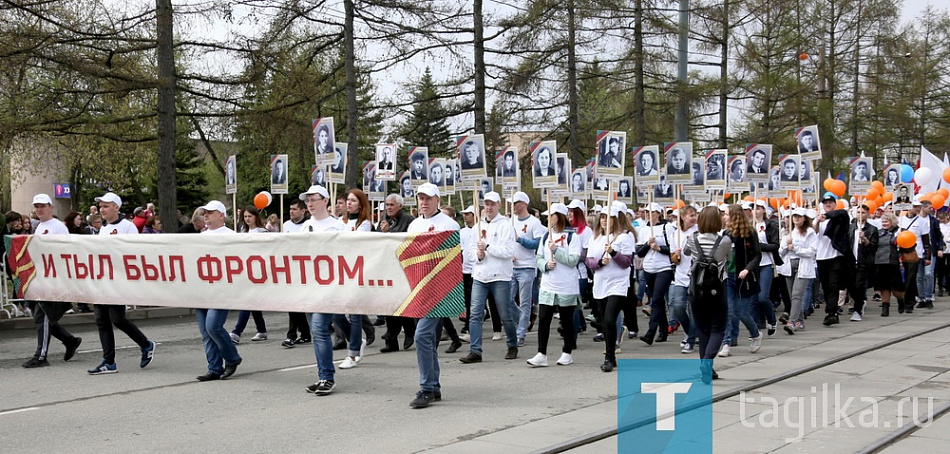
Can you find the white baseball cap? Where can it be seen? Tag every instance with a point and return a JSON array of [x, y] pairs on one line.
[[811, 213], [520, 197], [656, 207], [215, 205], [316, 189], [724, 207], [597, 208], [746, 205], [110, 197], [491, 196], [468, 210], [761, 203], [44, 199], [799, 212], [612, 211], [559, 208], [429, 189], [620, 206], [577, 203]]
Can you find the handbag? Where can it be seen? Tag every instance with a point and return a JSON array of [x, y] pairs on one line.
[[749, 286], [909, 255]]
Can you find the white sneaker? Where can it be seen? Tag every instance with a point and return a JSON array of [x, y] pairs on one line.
[[756, 343], [362, 348], [687, 349], [350, 362], [565, 360], [259, 337], [236, 338], [724, 351], [465, 338], [855, 317], [623, 334], [496, 337], [539, 360]]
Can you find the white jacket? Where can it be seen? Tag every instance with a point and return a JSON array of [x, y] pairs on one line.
[[499, 236], [805, 250]]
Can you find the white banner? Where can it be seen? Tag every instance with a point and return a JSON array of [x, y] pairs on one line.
[[414, 275]]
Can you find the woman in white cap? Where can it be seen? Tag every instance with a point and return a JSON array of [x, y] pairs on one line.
[[358, 219], [799, 247], [609, 254], [557, 258], [654, 248], [255, 224]]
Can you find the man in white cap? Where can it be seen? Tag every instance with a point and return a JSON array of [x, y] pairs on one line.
[[317, 199], [109, 315], [46, 314], [430, 219], [492, 252], [834, 255], [529, 232], [222, 354]]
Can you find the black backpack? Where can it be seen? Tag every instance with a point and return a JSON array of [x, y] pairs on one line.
[[705, 282]]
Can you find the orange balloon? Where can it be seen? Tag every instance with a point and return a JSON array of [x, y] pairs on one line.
[[260, 201], [906, 239], [938, 200], [775, 202], [839, 205], [888, 197], [926, 197], [878, 185], [679, 204], [747, 198], [726, 195], [944, 192], [946, 174], [838, 188], [879, 201], [871, 204], [827, 184], [873, 193]]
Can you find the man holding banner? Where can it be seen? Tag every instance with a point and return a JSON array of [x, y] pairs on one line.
[[430, 219]]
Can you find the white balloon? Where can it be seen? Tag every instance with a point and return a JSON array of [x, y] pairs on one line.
[[270, 198], [923, 176]]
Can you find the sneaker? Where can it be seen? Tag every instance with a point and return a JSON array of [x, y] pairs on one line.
[[830, 319], [104, 368], [259, 337], [756, 343], [684, 343], [607, 366], [72, 349], [856, 316], [148, 353], [363, 348], [521, 342], [301, 340], [623, 331], [512, 353], [799, 326], [350, 362], [599, 337], [496, 337], [565, 360], [288, 343], [633, 335], [687, 349], [725, 350], [322, 387], [770, 329], [465, 338], [236, 338], [472, 357], [423, 399], [539, 360], [33, 363], [790, 328], [877, 296], [784, 318], [456, 345]]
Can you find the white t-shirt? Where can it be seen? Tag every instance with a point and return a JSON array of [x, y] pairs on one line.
[[760, 228], [56, 227], [223, 230], [585, 238], [122, 227], [351, 226], [826, 250], [611, 279], [465, 237], [292, 227], [438, 223], [654, 261], [681, 273], [530, 228], [920, 227], [328, 224], [562, 279]]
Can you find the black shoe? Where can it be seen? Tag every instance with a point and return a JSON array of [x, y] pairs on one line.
[[599, 337], [370, 338], [472, 357], [407, 344], [909, 310], [391, 346], [380, 321], [209, 377], [830, 319], [71, 349], [423, 399], [784, 318], [229, 370], [885, 309], [810, 311], [647, 339], [456, 345], [930, 304], [288, 343], [33, 362], [715, 375], [789, 329], [302, 340], [660, 338], [512, 353], [922, 305], [322, 387], [607, 366]]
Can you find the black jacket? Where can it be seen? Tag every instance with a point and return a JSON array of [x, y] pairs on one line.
[[837, 230], [866, 253], [936, 236]]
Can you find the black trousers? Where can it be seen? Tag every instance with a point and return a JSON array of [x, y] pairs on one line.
[[545, 316], [834, 275], [109, 315], [46, 316], [449, 328], [298, 324], [396, 324], [610, 308], [779, 292], [859, 287], [710, 318], [910, 284]]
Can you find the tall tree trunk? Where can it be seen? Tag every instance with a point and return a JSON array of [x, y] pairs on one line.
[[681, 122], [353, 172], [478, 25], [572, 117], [639, 98], [724, 77], [857, 85], [167, 186]]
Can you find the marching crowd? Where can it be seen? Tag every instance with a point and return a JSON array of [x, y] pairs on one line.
[[704, 271]]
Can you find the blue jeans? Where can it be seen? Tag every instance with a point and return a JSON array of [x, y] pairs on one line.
[[501, 291], [740, 310], [763, 304], [925, 281], [522, 287], [641, 284], [427, 353], [356, 331], [219, 348], [680, 302], [320, 329]]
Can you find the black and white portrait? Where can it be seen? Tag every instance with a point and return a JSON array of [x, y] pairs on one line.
[[318, 176], [699, 174], [646, 163], [611, 152], [472, 155], [789, 169], [507, 165], [861, 171], [437, 174], [418, 165], [758, 161], [578, 181], [809, 145], [737, 170], [230, 175], [625, 188], [405, 187], [715, 166], [678, 161], [664, 190]]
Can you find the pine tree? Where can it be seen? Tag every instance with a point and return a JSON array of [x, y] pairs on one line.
[[427, 126]]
